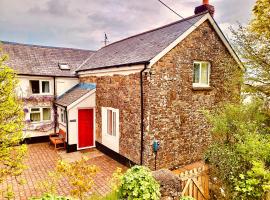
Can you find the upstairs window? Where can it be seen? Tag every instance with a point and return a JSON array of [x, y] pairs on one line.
[[35, 87], [201, 74], [40, 87]]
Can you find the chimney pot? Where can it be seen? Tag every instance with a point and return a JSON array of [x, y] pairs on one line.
[[205, 7], [205, 2]]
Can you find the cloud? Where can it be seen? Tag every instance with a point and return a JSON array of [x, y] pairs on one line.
[[82, 23]]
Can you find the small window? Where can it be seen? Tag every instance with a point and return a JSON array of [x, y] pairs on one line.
[[35, 87], [201, 73], [45, 87], [35, 115], [63, 116], [63, 66], [46, 114]]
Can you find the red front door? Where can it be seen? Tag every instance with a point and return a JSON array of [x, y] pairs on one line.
[[86, 128]]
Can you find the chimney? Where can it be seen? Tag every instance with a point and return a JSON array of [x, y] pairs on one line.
[[205, 7]]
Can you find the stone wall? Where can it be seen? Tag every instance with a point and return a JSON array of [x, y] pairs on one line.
[[170, 184], [123, 93], [173, 107]]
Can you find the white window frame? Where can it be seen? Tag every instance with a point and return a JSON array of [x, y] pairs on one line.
[[41, 114], [200, 84], [111, 140], [40, 87], [63, 119], [113, 123]]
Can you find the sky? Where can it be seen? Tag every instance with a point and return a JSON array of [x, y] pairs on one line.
[[82, 23]]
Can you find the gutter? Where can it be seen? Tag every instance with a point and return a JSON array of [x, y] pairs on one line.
[[142, 112], [114, 66]]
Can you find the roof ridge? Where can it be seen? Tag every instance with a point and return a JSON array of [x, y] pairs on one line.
[[158, 28], [44, 46]]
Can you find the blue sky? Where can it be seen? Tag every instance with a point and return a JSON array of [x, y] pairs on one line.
[[82, 23]]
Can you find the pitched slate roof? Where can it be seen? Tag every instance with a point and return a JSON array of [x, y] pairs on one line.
[[43, 60], [74, 93], [139, 48]]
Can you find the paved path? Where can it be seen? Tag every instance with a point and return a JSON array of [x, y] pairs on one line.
[[42, 158]]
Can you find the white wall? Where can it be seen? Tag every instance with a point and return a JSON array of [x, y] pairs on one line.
[[64, 84], [24, 91], [89, 102]]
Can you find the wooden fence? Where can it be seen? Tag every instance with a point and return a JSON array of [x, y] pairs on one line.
[[195, 181]]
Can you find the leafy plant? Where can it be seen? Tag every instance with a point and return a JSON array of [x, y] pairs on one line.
[[240, 153], [138, 183], [80, 176], [12, 154]]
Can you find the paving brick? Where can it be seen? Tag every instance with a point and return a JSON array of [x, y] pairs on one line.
[[42, 158]]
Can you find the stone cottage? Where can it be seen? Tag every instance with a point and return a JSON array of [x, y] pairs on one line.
[[150, 89]]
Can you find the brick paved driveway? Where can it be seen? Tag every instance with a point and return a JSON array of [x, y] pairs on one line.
[[42, 159]]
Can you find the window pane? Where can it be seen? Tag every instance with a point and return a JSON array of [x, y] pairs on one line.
[[45, 87], [65, 116], [109, 122], [114, 123], [34, 117], [34, 109], [204, 73], [46, 114], [196, 73], [35, 87]]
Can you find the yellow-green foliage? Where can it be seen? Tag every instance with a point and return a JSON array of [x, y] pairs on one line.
[[79, 175], [11, 124], [240, 152], [261, 19]]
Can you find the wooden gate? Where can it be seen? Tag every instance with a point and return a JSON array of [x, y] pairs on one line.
[[195, 181]]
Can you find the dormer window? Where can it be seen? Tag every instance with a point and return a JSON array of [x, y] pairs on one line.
[[64, 66]]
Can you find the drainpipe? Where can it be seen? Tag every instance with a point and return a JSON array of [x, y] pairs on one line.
[[142, 112], [66, 112], [54, 106]]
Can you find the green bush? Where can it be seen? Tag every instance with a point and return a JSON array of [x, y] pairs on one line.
[[138, 183], [239, 155]]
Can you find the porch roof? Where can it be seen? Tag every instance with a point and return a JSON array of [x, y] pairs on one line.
[[75, 93]]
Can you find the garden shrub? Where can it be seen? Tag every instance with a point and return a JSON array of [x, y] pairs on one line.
[[138, 183]]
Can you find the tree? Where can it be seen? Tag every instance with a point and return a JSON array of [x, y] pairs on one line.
[[239, 155], [11, 124], [253, 45], [260, 22]]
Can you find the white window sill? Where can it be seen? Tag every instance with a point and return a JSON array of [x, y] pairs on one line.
[[40, 94], [42, 122], [201, 87]]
